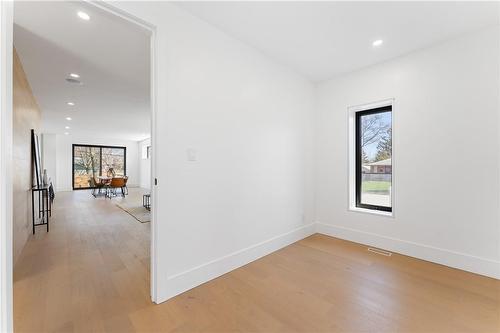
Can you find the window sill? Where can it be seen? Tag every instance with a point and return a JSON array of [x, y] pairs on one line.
[[371, 211]]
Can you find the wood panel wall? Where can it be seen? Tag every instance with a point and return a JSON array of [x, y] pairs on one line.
[[26, 116]]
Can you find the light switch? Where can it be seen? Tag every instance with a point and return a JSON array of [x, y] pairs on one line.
[[191, 154]]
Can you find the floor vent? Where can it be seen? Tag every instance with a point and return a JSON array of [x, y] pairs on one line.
[[378, 251]]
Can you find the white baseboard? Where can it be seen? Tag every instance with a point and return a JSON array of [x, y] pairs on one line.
[[179, 283], [463, 261], [191, 278]]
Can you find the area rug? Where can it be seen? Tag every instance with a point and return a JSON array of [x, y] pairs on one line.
[[140, 213]]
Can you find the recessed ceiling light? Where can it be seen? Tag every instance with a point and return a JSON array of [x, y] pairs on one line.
[[71, 104], [67, 127], [74, 75], [66, 133], [83, 16], [378, 42], [68, 118]]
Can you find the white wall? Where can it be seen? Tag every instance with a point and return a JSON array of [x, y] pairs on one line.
[[249, 121], [446, 144], [63, 158], [49, 153], [144, 165]]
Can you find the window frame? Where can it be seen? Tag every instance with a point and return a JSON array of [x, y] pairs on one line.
[[354, 157], [359, 164], [100, 161]]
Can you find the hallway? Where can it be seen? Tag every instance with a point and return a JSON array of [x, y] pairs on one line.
[[88, 273]]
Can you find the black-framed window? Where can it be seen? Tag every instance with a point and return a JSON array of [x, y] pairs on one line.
[[374, 158], [92, 161]]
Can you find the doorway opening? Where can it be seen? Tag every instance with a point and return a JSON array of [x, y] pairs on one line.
[[83, 82]]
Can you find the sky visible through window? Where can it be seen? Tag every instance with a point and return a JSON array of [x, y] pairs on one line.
[[384, 123]]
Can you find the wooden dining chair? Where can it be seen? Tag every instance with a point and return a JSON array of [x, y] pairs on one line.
[[116, 183], [97, 186]]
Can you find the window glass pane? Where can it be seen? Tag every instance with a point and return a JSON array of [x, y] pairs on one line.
[[113, 161], [86, 164], [93, 161], [375, 139]]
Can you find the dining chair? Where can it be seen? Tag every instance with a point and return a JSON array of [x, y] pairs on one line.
[[116, 183], [96, 185], [125, 179]]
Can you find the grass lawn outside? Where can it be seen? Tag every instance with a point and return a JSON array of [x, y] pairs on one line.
[[375, 186]]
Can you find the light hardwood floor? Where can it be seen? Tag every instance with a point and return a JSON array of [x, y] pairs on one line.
[[90, 274]]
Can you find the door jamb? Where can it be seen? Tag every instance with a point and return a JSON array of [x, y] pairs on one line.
[[6, 235]]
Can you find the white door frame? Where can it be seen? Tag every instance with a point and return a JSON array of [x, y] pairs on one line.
[[6, 91], [6, 235]]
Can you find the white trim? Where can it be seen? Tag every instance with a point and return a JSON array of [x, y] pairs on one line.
[[108, 7], [6, 251], [370, 211], [498, 145], [195, 276], [371, 105], [151, 28], [191, 278], [351, 156], [154, 188], [479, 265]]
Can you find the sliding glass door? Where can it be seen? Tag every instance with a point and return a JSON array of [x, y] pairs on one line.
[[91, 161], [113, 158]]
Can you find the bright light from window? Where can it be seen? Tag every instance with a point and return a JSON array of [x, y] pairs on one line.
[[68, 118], [378, 42], [71, 104], [76, 76]]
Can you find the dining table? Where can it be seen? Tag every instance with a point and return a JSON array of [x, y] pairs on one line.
[[104, 179]]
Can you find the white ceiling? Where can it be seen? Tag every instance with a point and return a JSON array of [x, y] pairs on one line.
[[323, 39], [111, 56]]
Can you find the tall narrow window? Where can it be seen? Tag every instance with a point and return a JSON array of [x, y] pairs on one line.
[[373, 137], [90, 162]]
